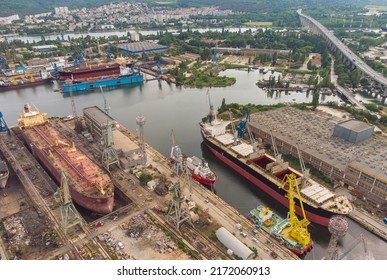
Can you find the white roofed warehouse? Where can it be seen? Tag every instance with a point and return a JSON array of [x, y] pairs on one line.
[[231, 242]]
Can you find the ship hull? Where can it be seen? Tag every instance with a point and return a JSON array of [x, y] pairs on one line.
[[26, 85], [97, 205], [89, 73], [317, 215], [202, 180], [110, 82]]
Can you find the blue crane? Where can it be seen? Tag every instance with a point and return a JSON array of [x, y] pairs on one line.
[[75, 59], [241, 128], [3, 125], [158, 71], [3, 62]]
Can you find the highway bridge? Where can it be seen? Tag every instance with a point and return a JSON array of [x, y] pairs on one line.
[[316, 27]]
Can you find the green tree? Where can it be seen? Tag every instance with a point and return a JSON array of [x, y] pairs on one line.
[[223, 106], [315, 100], [355, 77], [145, 178], [274, 62]]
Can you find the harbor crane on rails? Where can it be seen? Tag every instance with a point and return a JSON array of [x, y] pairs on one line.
[[298, 229]]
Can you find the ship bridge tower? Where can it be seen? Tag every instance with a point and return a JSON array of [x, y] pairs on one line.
[[140, 120], [109, 154], [69, 215], [3, 125]]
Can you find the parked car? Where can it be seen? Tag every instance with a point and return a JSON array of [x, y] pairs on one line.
[[120, 245]]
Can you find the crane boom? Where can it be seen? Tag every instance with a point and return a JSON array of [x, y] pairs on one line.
[[278, 156], [299, 230], [305, 171]]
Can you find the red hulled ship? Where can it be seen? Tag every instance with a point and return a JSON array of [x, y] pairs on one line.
[[200, 171], [89, 71], [90, 187], [24, 81]]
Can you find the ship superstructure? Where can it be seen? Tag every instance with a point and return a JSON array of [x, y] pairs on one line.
[[200, 171], [267, 172], [90, 187]]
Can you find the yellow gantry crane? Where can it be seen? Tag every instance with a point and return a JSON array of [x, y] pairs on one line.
[[298, 229]]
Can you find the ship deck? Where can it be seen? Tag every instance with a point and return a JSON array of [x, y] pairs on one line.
[[86, 176], [322, 197]]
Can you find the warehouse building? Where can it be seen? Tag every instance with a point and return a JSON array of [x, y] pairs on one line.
[[139, 48], [232, 243], [344, 151]]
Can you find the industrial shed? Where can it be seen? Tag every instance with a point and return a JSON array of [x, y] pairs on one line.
[[353, 131], [233, 243]]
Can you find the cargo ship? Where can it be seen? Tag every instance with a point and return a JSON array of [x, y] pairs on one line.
[[89, 71], [265, 172], [126, 76], [90, 187], [24, 81], [264, 218], [200, 171], [4, 174]]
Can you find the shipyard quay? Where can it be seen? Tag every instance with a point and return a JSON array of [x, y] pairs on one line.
[[343, 149]]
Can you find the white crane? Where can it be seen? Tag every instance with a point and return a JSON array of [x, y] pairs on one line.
[[305, 171], [277, 155]]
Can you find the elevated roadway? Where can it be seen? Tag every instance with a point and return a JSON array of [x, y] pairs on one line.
[[316, 27]]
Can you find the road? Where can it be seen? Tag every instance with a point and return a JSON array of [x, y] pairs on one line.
[[342, 90], [355, 60]]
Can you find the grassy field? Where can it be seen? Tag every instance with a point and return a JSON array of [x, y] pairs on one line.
[[259, 23], [378, 8]]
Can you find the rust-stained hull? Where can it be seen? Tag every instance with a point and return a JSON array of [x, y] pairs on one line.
[[79, 187]]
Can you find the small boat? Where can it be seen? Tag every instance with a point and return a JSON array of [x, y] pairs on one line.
[[200, 171]]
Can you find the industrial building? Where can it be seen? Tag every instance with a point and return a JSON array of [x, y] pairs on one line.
[[250, 51], [139, 48], [129, 153], [232, 243], [96, 120], [353, 131], [344, 151], [44, 48]]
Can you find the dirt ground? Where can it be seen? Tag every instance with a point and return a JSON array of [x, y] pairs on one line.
[[150, 244]]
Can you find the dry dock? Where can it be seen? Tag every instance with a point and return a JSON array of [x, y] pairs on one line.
[[140, 210]]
